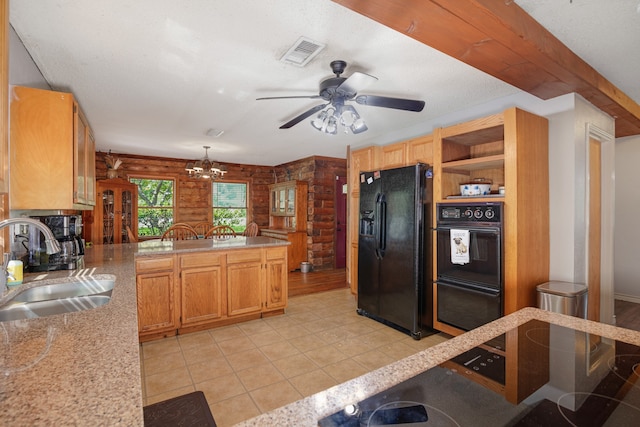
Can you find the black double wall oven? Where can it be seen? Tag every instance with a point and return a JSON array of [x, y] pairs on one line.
[[470, 279]]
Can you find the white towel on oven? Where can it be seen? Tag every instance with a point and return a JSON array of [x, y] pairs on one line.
[[459, 246]]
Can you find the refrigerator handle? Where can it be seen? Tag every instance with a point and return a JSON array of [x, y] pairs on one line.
[[382, 225]]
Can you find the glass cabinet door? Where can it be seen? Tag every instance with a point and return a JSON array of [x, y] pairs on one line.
[[291, 201], [108, 216], [281, 201], [127, 215]]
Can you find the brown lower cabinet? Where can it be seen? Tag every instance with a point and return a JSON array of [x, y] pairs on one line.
[[202, 290], [297, 250]]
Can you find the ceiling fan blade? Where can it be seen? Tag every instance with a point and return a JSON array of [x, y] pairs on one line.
[[397, 103], [290, 97], [356, 82], [303, 116]]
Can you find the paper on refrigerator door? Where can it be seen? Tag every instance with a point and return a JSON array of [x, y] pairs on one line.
[[459, 246]]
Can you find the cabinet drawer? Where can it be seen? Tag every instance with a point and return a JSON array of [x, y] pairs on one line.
[[275, 253], [234, 257], [154, 264], [204, 259]]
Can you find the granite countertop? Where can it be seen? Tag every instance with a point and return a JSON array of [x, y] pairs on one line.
[[83, 368], [158, 247], [78, 368], [307, 411]]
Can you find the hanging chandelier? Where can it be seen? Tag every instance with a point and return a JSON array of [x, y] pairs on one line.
[[205, 168]]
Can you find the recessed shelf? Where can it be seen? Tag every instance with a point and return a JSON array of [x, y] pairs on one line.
[[477, 163]]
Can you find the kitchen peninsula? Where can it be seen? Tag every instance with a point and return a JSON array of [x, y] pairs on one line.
[[189, 285]]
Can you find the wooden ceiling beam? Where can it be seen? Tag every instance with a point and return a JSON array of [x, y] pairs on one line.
[[501, 39]]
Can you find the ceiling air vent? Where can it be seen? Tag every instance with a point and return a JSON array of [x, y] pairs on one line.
[[303, 51]]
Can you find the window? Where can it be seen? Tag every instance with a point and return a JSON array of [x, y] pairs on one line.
[[230, 204], [155, 205]]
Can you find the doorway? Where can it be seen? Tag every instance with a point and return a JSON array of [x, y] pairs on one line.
[[597, 265]]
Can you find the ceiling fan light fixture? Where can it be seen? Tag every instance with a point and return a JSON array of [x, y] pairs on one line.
[[319, 121], [358, 126], [327, 120], [332, 125]]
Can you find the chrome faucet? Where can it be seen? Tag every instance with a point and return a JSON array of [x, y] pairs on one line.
[[50, 241]]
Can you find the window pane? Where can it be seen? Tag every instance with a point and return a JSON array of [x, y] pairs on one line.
[[230, 204], [154, 192], [155, 205], [154, 221], [229, 195]]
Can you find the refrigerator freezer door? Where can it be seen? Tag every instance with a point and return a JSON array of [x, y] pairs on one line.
[[368, 263]]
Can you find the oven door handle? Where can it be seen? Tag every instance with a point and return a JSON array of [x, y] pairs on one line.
[[381, 207], [470, 288], [495, 231]]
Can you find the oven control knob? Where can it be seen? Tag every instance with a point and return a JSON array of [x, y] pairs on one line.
[[477, 214], [489, 214], [468, 213]]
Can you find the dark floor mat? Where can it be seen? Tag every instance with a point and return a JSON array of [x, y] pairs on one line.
[[189, 410]]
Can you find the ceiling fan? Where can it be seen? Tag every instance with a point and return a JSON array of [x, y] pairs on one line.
[[336, 91]]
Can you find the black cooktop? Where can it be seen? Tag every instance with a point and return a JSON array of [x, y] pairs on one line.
[[538, 374]]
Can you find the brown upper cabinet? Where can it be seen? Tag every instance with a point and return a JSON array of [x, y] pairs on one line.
[[116, 212], [399, 154], [51, 152], [288, 218], [288, 205]]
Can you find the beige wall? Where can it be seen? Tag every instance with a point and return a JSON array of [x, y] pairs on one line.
[[568, 175]]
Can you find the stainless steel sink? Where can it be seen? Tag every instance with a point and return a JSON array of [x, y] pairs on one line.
[[74, 294]]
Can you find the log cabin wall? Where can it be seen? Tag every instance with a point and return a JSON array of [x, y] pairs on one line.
[[320, 173], [193, 197]]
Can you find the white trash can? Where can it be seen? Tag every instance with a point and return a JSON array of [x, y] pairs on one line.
[[563, 297]]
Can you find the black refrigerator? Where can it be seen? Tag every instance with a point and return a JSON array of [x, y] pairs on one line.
[[395, 250]]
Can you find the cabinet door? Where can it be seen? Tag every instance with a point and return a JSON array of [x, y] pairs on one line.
[[393, 156], [84, 168], [126, 214], [90, 171], [420, 150], [276, 279], [116, 209], [201, 291], [244, 283], [41, 149], [108, 222], [79, 156], [156, 302], [291, 200], [282, 201]]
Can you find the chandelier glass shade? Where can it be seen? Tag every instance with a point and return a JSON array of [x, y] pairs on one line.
[[327, 120], [205, 168]]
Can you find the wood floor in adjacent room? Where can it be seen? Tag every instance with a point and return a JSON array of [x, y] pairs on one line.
[[627, 314], [316, 281]]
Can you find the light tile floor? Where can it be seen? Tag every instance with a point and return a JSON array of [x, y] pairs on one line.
[[257, 366]]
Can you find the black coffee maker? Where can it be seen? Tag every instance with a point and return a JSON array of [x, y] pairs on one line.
[[68, 231]]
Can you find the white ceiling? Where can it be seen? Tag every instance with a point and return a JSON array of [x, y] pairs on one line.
[[154, 75]]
